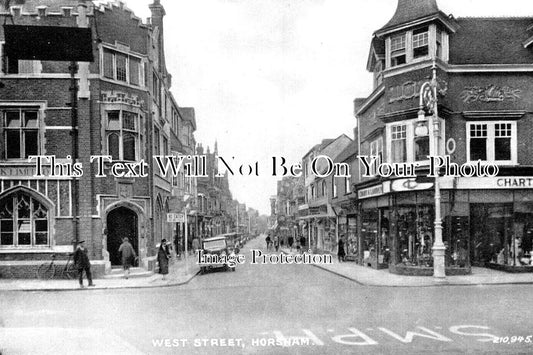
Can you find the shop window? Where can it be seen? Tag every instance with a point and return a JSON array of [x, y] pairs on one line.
[[24, 221], [492, 141], [122, 67], [398, 144], [398, 56], [491, 233], [21, 133], [420, 42], [457, 241], [123, 135], [415, 235]]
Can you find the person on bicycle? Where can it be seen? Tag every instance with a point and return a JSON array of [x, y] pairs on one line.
[[128, 256], [81, 260]]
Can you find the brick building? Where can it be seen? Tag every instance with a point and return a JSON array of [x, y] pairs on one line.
[[484, 80], [125, 110]]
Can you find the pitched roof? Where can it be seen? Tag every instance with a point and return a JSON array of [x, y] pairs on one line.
[[498, 40]]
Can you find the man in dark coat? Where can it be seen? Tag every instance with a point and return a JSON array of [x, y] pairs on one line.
[[128, 255], [81, 260]]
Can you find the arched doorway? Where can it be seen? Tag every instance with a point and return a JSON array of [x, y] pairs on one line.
[[121, 222]]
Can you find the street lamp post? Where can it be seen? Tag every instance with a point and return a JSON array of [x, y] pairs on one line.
[[428, 100]]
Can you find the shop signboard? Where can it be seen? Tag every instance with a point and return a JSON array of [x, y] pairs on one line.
[[175, 218], [373, 191], [498, 182], [410, 185]]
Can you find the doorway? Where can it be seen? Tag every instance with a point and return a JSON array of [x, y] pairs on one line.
[[121, 222]]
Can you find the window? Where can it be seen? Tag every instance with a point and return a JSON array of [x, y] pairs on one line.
[[478, 142], [24, 221], [398, 50], [21, 133], [347, 185], [324, 188], [156, 88], [157, 146], [378, 73], [122, 67], [376, 150], [492, 141], [398, 144], [122, 135], [420, 42], [312, 191], [165, 146], [439, 43], [334, 186]]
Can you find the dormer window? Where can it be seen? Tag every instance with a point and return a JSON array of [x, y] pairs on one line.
[[420, 42], [398, 56]]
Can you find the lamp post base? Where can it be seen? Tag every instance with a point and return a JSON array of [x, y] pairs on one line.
[[439, 268]]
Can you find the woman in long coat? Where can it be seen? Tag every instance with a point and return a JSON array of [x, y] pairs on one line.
[[162, 259], [341, 254]]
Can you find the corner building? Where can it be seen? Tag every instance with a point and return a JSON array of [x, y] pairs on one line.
[[484, 72], [125, 111]]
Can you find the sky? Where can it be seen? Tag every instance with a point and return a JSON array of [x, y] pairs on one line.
[[272, 78]]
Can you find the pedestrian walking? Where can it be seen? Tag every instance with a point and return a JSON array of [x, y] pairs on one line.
[[195, 244], [341, 254], [276, 243], [268, 241], [81, 260], [162, 259], [128, 256], [290, 241]]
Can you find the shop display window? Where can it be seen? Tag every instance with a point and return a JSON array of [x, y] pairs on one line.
[[457, 241], [415, 235], [491, 233], [352, 245]]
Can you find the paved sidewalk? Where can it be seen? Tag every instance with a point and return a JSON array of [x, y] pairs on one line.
[[178, 275], [372, 277]]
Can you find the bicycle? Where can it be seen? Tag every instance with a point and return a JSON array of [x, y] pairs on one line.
[[49, 270]]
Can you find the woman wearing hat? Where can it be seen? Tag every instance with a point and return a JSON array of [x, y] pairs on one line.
[[162, 259]]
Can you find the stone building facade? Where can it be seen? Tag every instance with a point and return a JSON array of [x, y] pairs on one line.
[[125, 110]]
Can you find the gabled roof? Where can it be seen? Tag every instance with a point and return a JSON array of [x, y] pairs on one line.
[[498, 40]]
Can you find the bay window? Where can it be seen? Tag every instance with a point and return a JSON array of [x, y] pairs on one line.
[[492, 141]]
